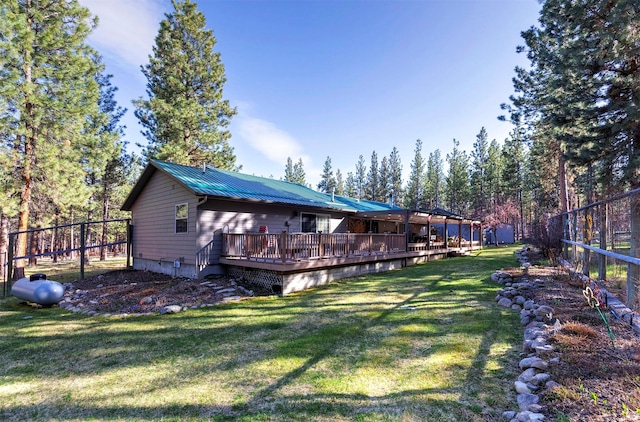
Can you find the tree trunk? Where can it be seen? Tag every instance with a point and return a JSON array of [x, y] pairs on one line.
[[33, 248], [4, 245], [562, 181], [25, 201], [28, 157], [54, 239]]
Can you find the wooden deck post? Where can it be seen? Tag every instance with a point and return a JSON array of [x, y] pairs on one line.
[[283, 246], [445, 235]]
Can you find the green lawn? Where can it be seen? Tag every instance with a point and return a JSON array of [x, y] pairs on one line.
[[421, 343]]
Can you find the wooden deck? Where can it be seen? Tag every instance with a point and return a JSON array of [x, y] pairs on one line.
[[290, 262], [306, 251]]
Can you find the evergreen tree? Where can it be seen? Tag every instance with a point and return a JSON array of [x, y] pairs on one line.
[[360, 178], [299, 175], [514, 159], [395, 177], [339, 183], [185, 117], [45, 66], [350, 189], [434, 180], [458, 180], [104, 151], [327, 182], [288, 170], [385, 177], [373, 180], [478, 172], [414, 198], [494, 179]]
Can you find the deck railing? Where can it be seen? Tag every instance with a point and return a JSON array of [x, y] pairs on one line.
[[303, 246]]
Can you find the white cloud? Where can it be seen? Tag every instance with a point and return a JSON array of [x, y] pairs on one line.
[[273, 142], [127, 28]]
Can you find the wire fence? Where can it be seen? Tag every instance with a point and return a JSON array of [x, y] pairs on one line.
[[72, 246], [602, 241]]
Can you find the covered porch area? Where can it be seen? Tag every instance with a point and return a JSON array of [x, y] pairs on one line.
[[289, 262]]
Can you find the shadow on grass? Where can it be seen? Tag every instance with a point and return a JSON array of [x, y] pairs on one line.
[[297, 356]]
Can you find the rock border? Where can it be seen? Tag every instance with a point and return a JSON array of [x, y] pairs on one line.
[[539, 325]]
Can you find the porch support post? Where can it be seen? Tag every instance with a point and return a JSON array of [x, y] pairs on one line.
[[429, 234], [283, 246], [459, 233], [445, 235], [407, 230]]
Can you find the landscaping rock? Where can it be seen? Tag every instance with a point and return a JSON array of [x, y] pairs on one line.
[[508, 414], [529, 416], [527, 375], [506, 302], [540, 379], [544, 311], [534, 362], [521, 387], [526, 399], [171, 309]]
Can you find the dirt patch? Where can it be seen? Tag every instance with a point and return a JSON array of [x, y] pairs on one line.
[[599, 376], [139, 292]]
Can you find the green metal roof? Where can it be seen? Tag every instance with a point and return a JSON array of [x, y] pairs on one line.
[[233, 185]]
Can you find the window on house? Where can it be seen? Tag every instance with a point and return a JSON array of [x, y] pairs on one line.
[[313, 223], [182, 218]]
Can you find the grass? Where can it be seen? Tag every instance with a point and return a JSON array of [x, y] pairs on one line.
[[421, 343], [68, 271]]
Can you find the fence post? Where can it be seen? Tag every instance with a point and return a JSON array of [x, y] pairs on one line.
[[602, 259], [574, 237], [633, 271], [587, 233], [12, 241], [83, 249]]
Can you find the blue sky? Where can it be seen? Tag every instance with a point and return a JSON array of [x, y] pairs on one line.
[[312, 79]]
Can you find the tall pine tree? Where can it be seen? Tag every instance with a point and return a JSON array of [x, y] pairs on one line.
[[373, 179], [478, 173], [395, 177], [458, 180], [434, 180], [327, 182], [186, 117], [414, 198], [47, 85], [360, 178]]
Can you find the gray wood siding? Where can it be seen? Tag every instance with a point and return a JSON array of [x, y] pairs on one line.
[[153, 219]]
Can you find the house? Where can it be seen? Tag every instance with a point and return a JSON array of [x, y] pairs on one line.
[[192, 222], [502, 233]]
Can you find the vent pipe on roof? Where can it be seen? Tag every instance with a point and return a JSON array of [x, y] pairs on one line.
[[390, 199], [333, 194], [204, 167]]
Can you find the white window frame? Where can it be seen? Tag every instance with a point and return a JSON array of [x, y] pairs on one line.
[[185, 218]]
